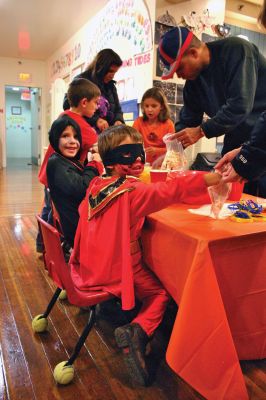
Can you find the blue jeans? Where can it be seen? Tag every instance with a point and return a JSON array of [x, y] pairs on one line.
[[46, 215]]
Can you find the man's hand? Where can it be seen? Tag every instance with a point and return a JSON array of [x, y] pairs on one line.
[[188, 136], [102, 124], [227, 158], [230, 175]]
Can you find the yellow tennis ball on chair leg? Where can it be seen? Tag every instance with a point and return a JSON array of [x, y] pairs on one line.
[[63, 295], [39, 323], [63, 374]]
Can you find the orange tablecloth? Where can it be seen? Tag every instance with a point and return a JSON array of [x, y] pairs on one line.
[[215, 270]]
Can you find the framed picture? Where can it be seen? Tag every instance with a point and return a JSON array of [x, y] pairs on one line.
[[15, 110]]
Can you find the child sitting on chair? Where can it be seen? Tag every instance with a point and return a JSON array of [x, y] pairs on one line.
[[83, 96], [67, 177], [107, 254]]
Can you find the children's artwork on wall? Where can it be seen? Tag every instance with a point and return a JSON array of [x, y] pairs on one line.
[[208, 38], [169, 90], [172, 112], [124, 26], [125, 88], [160, 30], [179, 94], [198, 22], [15, 110], [174, 95], [159, 65], [130, 110]]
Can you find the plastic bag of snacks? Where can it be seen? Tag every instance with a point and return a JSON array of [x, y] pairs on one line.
[[218, 194], [175, 158]]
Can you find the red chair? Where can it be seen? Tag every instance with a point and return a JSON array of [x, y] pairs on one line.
[[59, 271]]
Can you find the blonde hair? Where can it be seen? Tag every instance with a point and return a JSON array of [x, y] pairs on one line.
[[158, 95]]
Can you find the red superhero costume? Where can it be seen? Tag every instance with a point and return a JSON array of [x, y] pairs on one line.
[[106, 254]]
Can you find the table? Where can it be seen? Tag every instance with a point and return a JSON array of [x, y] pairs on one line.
[[215, 270]]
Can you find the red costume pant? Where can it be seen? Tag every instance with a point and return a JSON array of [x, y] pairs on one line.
[[153, 296]]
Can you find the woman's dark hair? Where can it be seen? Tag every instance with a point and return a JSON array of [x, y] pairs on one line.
[[101, 64], [262, 15], [58, 127]]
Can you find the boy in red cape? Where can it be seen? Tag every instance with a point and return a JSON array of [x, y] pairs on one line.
[[107, 254]]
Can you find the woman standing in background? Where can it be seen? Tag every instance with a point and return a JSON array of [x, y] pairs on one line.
[[101, 71]]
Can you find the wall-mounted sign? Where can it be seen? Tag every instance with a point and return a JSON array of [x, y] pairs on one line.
[[24, 77], [25, 95]]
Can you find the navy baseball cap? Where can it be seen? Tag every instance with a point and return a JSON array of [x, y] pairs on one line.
[[171, 48]]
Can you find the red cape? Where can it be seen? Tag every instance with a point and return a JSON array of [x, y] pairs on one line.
[[101, 256]]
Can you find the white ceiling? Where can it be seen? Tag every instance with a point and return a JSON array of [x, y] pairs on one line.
[[50, 23]]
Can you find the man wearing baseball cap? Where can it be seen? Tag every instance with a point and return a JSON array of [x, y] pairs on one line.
[[225, 79]]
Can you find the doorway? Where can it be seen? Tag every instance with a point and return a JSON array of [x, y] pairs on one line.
[[23, 128]]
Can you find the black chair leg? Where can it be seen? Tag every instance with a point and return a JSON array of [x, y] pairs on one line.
[[52, 302], [83, 337]]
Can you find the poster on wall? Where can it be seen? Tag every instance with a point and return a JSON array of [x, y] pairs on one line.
[[125, 26]]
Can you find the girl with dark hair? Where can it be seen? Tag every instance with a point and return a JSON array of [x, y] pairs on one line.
[[154, 123], [101, 71], [67, 178]]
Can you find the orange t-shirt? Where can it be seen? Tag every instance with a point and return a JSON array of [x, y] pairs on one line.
[[153, 135]]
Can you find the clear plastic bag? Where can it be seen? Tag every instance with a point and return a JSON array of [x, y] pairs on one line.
[[218, 194], [175, 159]]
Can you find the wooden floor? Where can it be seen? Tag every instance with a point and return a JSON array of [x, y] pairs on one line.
[[27, 359]]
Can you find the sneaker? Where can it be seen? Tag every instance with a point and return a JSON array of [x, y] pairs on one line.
[[132, 339]]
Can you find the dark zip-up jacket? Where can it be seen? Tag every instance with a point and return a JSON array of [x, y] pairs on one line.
[[68, 181], [231, 91]]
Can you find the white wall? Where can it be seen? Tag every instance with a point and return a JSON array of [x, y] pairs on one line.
[[127, 28], [9, 75], [18, 127]]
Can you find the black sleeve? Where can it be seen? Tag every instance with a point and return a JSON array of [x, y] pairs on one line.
[[118, 110], [240, 65], [250, 163], [67, 179]]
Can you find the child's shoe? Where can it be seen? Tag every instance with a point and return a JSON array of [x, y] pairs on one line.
[[132, 339]]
